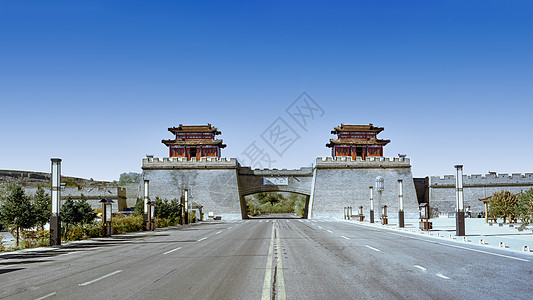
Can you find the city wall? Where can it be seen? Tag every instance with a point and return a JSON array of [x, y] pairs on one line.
[[220, 184], [211, 182], [442, 189], [344, 182]]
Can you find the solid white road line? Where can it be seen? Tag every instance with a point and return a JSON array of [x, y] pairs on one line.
[[100, 278], [375, 249], [44, 297], [342, 236], [268, 270], [172, 250], [202, 239], [442, 276], [421, 268], [280, 292]]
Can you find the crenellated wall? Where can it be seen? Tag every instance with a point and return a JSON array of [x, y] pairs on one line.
[[211, 182], [221, 184], [475, 187], [344, 182]]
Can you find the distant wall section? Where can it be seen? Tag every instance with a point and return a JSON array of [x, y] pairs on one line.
[[442, 189]]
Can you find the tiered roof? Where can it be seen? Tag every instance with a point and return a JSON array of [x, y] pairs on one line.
[[191, 141], [357, 141], [357, 128], [195, 129]]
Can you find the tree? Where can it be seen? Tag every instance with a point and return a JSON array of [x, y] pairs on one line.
[[138, 209], [69, 213], [503, 205], [76, 212], [42, 204], [85, 210], [18, 210], [130, 177], [524, 208]]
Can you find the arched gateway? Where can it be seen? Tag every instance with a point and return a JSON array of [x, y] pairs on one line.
[[220, 184]]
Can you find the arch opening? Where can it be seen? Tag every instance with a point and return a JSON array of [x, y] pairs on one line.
[[276, 205]]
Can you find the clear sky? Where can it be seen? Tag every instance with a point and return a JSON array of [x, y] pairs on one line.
[[97, 83]]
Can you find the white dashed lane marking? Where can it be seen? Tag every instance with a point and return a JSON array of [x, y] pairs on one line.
[[370, 247], [100, 278], [421, 268], [172, 250]]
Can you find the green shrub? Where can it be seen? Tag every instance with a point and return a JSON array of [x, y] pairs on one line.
[[76, 233], [36, 238], [127, 224]]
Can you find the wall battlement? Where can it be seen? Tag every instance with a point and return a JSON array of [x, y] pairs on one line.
[[275, 172], [369, 162], [183, 163], [491, 179]]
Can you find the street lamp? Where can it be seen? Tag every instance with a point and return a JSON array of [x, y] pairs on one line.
[[460, 203], [107, 214], [186, 206], [146, 214], [371, 204], [380, 186], [55, 219], [150, 225], [401, 222]]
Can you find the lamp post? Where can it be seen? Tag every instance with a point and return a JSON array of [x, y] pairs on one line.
[[380, 186], [146, 218], [55, 219], [401, 221], [371, 204], [186, 206], [151, 215], [460, 203]]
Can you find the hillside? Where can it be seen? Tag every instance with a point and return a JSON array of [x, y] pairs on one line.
[[34, 179]]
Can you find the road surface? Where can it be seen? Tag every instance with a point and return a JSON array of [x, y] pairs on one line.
[[267, 259]]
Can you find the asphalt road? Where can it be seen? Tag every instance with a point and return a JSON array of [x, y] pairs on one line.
[[267, 259]]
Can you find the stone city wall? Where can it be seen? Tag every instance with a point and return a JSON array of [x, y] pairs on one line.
[[211, 183], [344, 182], [475, 187], [93, 194]]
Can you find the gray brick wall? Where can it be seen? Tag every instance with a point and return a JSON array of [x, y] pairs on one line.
[[341, 183], [475, 187]]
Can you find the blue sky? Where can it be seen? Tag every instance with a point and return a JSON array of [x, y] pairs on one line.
[[97, 83]]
